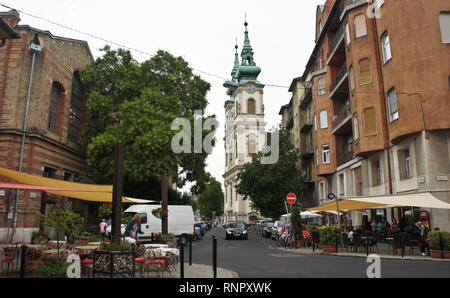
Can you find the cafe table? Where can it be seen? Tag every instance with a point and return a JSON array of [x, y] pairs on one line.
[[155, 245]]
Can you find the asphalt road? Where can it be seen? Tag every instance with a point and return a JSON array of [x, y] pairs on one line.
[[259, 257]]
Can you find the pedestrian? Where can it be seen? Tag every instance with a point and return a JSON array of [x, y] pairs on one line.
[[419, 230], [394, 223], [133, 229], [103, 225]]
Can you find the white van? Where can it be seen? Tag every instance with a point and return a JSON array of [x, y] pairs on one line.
[[180, 220]]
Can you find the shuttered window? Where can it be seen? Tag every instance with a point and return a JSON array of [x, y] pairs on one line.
[[370, 123], [365, 74], [360, 26], [323, 119], [321, 86]]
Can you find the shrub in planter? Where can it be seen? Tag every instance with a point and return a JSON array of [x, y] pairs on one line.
[[54, 268], [435, 246], [328, 237]]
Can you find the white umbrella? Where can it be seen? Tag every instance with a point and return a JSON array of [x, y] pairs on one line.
[[309, 214]]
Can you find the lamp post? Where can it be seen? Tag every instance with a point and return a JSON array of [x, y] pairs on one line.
[[332, 196], [35, 48]]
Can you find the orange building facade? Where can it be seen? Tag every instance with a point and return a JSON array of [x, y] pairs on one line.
[[377, 89]]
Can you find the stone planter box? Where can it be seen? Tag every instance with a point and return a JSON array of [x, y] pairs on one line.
[[114, 264], [329, 248], [435, 253]]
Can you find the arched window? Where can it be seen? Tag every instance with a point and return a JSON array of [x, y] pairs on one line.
[[251, 147], [251, 107], [76, 108], [56, 98]]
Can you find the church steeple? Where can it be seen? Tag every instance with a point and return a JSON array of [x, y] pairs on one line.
[[248, 71], [230, 91]]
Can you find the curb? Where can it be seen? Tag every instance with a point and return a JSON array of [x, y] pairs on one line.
[[409, 258]]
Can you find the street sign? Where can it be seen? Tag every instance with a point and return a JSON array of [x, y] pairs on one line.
[[291, 198]]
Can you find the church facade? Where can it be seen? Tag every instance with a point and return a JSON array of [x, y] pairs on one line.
[[244, 130]]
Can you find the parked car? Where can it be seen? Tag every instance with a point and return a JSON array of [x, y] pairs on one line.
[[276, 229], [260, 222], [267, 229], [236, 230], [226, 224]]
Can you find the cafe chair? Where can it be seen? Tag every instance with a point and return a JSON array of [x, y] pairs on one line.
[[140, 259], [155, 260], [5, 259]]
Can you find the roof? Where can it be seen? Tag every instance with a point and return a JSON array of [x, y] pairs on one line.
[[7, 32], [294, 81]]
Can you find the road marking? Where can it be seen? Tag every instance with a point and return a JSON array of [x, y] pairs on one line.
[[285, 256]]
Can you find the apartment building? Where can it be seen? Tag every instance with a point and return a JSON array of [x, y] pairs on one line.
[[375, 102]]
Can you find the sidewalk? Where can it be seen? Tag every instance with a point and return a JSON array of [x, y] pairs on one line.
[[318, 251], [196, 271]]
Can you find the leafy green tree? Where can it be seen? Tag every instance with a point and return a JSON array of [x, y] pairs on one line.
[[296, 222], [267, 185], [211, 199], [136, 103]]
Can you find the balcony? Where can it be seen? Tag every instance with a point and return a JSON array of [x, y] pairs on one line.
[[305, 125], [339, 87], [342, 122], [306, 97], [306, 150], [337, 49]]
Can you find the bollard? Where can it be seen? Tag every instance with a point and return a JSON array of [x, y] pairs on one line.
[[403, 244], [190, 251], [181, 258], [23, 260], [215, 256]]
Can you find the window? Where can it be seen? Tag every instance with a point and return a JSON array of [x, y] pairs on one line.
[[76, 106], [365, 74], [386, 47], [393, 107], [407, 165], [347, 34], [355, 126], [404, 164], [444, 21], [251, 107], [317, 156], [55, 103], [352, 78], [320, 26], [360, 26], [315, 122], [323, 119], [251, 147], [376, 172], [325, 154], [370, 124], [321, 86]]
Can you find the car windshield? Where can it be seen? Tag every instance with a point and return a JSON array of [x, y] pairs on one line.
[[237, 225]]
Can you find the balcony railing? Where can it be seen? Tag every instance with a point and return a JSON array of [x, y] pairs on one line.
[[341, 73], [306, 97], [344, 114], [305, 124], [345, 157], [336, 39]]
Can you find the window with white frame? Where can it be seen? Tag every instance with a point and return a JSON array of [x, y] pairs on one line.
[[444, 21], [317, 156], [386, 47], [355, 126], [325, 154], [352, 78], [393, 106], [323, 119]]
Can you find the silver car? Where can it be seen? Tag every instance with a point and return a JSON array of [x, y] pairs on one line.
[[276, 229]]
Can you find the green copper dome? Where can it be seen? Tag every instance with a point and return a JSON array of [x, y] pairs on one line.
[[248, 70]]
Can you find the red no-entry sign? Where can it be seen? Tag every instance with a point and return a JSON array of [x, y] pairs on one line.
[[291, 198]]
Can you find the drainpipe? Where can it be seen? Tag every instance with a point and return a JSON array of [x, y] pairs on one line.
[[35, 48]]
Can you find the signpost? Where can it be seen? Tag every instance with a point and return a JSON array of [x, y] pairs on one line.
[[291, 199]]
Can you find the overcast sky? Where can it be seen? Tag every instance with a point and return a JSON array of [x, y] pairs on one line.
[[203, 32]]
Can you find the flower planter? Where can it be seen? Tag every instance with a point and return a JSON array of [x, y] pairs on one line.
[[435, 253], [298, 244], [114, 264], [329, 248]]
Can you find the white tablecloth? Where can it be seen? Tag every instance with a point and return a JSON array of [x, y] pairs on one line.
[[155, 245], [162, 251]]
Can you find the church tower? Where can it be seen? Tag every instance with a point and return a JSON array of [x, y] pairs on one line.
[[244, 129]]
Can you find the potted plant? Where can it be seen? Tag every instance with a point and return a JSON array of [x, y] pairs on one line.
[[328, 238], [435, 244], [297, 227], [160, 213]]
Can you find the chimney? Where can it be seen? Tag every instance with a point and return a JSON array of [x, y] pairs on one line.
[[11, 17]]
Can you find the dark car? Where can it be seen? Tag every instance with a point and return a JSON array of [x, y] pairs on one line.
[[267, 229], [236, 230]]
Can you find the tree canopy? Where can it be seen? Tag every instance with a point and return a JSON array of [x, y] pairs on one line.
[[267, 185], [211, 199], [136, 103]]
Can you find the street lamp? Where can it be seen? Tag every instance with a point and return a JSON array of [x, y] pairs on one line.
[[35, 48], [332, 196]]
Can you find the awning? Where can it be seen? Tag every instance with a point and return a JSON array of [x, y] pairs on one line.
[[12, 185], [81, 191], [309, 214], [422, 200]]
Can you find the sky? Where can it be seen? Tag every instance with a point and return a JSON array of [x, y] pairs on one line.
[[203, 32]]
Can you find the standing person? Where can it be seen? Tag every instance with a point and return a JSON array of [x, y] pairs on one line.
[[103, 225], [394, 223], [419, 230], [133, 229]]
